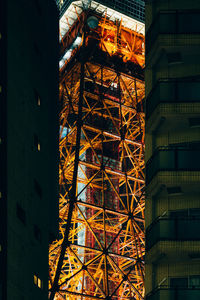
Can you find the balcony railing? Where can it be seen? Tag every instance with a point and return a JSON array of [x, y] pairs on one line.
[[169, 293], [173, 22], [183, 229], [172, 159], [173, 91]]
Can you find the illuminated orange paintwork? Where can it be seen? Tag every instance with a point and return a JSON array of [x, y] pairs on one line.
[[105, 254], [113, 38]]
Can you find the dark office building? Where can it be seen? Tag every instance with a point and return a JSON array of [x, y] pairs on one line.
[[28, 146], [172, 150]]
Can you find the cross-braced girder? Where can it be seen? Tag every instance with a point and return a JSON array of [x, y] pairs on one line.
[[100, 252]]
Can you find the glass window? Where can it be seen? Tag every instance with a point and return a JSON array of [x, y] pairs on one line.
[[194, 281], [188, 91], [37, 98], [167, 22], [178, 282], [38, 188], [188, 22], [188, 160], [167, 91], [174, 190], [194, 122], [21, 214], [183, 213], [167, 160], [174, 57], [194, 212], [37, 281], [37, 233], [36, 142]]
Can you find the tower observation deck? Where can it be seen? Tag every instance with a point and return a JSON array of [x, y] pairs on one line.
[[101, 247]]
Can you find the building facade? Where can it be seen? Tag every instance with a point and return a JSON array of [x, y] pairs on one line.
[[172, 150], [28, 146]]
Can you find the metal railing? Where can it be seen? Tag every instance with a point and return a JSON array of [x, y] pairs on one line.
[[171, 293], [173, 22], [172, 159], [165, 228], [173, 91]]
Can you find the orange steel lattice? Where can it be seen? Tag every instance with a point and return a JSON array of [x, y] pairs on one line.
[[100, 251]]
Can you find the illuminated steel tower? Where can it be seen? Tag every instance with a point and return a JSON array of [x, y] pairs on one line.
[[100, 253]]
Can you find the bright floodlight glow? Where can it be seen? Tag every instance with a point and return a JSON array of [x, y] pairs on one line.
[[77, 42], [68, 53], [66, 56]]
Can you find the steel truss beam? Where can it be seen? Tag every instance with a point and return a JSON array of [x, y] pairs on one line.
[[100, 252]]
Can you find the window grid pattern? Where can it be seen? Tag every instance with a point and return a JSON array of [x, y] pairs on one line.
[[132, 8]]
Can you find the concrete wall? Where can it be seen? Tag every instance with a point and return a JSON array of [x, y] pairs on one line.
[[172, 56]]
